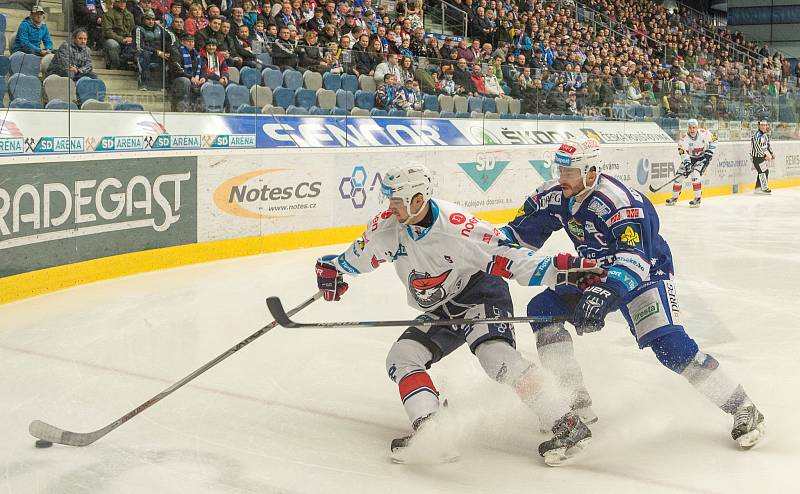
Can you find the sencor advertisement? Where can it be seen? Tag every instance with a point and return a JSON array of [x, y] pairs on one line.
[[60, 213]]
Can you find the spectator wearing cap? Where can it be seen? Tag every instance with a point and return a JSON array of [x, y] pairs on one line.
[[184, 71], [316, 23], [118, 32], [33, 36], [212, 64], [446, 48], [89, 15], [175, 12], [151, 46], [371, 22], [73, 58]]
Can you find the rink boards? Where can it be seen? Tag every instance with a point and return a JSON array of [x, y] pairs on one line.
[[89, 217]]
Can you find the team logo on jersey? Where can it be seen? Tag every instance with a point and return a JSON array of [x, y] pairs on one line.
[[645, 312], [426, 289], [457, 218], [400, 252], [630, 235], [575, 229], [598, 207]]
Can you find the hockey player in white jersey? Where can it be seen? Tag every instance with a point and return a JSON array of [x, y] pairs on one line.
[[696, 149], [453, 265]]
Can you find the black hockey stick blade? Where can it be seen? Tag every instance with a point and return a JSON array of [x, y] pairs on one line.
[[281, 317], [276, 309]]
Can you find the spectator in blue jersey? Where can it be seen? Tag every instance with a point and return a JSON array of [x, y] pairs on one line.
[[184, 69], [33, 37]]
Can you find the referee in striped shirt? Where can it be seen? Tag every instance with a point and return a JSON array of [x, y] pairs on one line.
[[762, 154]]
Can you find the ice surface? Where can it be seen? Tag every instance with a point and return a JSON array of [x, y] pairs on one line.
[[312, 411]]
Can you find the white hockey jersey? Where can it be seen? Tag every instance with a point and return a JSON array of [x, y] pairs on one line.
[[702, 142], [436, 263]]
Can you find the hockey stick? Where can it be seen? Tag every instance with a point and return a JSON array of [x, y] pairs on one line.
[[276, 309], [674, 179], [47, 432]]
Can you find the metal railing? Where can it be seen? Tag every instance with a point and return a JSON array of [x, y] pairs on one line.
[[704, 18], [445, 18]]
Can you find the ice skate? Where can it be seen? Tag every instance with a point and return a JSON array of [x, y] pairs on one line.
[[427, 443], [763, 191], [582, 405], [570, 438], [671, 201], [695, 203], [748, 425]]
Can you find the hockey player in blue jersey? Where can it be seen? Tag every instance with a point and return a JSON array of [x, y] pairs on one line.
[[617, 226], [453, 265]]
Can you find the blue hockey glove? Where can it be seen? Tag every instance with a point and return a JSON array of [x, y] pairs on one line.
[[329, 280], [590, 313]]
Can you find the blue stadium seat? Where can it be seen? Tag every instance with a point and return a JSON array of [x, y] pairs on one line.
[[305, 98], [91, 89], [397, 113], [462, 114], [365, 99], [25, 87], [489, 105], [248, 109], [2, 42], [126, 106], [292, 79], [506, 116], [430, 102], [59, 104], [5, 64], [345, 100], [315, 110], [264, 58], [272, 78], [3, 24], [475, 103], [213, 97], [349, 83], [648, 111], [249, 77], [447, 114], [23, 103], [237, 96], [638, 111], [377, 112], [296, 110], [331, 81], [25, 64], [339, 111], [283, 97]]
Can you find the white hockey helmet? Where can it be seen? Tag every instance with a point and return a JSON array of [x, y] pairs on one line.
[[692, 123], [406, 181], [584, 155]]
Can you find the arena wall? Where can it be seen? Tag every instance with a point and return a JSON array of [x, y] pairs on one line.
[[69, 219]]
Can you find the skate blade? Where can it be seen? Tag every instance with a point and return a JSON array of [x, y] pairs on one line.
[[752, 438], [587, 415], [562, 456], [404, 457], [694, 205]]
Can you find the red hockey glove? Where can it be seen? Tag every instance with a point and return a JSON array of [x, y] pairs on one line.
[[576, 271], [329, 280]]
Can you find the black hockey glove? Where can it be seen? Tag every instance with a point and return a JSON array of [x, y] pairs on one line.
[[590, 313], [706, 161], [686, 167], [330, 280]]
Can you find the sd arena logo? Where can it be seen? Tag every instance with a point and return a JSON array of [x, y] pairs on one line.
[[249, 196]]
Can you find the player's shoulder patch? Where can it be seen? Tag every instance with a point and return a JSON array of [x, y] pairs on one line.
[[381, 221], [599, 207], [613, 193]]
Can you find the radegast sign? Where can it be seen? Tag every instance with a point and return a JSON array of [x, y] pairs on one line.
[[60, 213]]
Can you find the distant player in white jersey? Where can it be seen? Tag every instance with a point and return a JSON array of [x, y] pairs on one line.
[[761, 153], [452, 265], [696, 149]]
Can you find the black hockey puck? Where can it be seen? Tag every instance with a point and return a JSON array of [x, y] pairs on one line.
[[41, 443]]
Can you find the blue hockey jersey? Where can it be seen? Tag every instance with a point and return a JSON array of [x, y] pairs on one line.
[[615, 225]]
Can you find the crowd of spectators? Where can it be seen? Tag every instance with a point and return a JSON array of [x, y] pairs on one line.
[[556, 56]]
